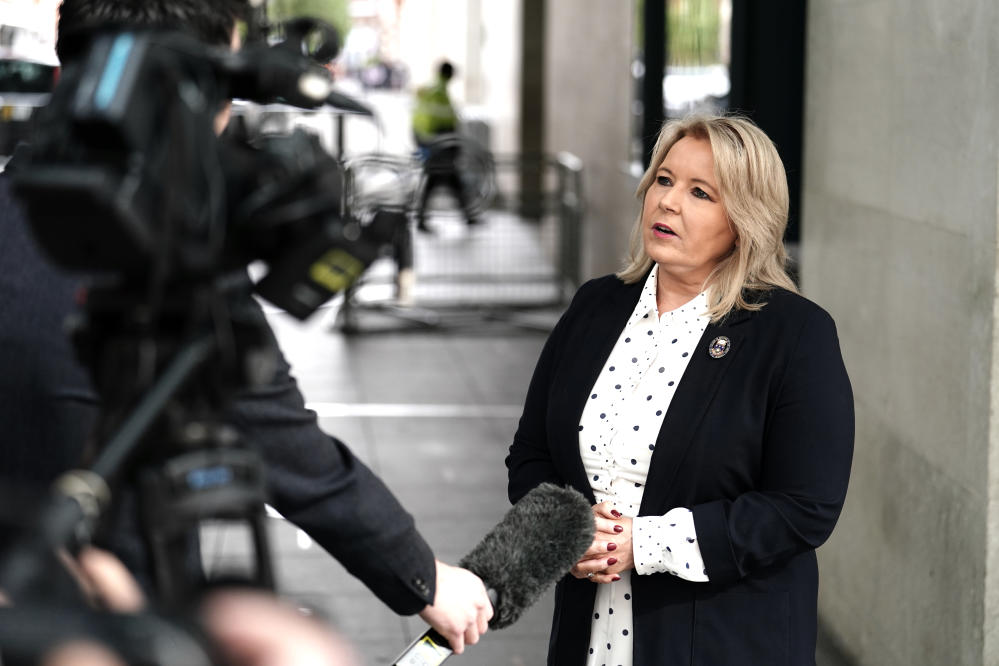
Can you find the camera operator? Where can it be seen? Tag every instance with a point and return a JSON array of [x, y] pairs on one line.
[[47, 405]]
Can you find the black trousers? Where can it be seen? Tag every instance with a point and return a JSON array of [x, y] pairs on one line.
[[441, 170]]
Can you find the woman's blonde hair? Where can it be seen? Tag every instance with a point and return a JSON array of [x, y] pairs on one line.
[[753, 189]]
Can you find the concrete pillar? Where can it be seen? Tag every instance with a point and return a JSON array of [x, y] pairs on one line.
[[899, 221], [589, 92]]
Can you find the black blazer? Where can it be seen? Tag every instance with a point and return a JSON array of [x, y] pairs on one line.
[[48, 407], [757, 443]]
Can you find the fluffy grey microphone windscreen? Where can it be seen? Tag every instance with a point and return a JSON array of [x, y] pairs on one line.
[[535, 544]]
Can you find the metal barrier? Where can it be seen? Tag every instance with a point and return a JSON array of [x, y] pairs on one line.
[[499, 268]]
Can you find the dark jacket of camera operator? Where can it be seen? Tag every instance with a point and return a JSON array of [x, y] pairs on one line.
[[48, 407]]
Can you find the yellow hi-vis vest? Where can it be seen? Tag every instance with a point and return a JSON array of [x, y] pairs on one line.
[[433, 113]]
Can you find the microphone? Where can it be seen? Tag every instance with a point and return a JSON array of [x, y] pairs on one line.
[[263, 73], [274, 74], [535, 544], [344, 103]]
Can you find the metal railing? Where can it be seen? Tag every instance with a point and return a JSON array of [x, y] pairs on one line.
[[504, 265]]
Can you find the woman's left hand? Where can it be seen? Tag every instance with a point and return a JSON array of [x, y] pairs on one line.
[[611, 551]]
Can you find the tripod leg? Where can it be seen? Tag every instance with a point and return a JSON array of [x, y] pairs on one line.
[[264, 566]]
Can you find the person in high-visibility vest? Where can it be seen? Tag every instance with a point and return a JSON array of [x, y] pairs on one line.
[[435, 126]]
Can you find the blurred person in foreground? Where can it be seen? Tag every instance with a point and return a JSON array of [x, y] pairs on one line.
[[240, 626], [435, 127], [49, 406], [703, 406]]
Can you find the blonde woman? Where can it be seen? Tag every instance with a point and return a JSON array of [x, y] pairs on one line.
[[703, 407]]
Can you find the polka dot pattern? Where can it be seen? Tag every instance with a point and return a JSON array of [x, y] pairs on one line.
[[620, 425], [668, 544]]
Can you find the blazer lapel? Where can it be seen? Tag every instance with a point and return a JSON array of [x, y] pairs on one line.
[[690, 403]]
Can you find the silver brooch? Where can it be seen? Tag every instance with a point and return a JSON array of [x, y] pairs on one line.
[[719, 347]]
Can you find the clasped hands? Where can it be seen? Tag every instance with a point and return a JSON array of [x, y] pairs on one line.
[[611, 551]]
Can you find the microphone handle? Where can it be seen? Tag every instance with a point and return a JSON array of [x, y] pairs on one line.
[[431, 649]]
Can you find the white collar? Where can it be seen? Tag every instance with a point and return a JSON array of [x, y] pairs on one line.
[[648, 308]]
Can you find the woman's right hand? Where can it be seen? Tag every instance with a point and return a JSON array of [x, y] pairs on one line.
[[611, 551]]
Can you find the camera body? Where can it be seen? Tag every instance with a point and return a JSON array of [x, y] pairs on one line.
[[125, 175]]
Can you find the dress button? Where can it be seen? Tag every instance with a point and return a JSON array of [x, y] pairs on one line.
[[421, 585]]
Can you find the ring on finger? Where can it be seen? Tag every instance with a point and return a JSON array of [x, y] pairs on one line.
[[589, 575]]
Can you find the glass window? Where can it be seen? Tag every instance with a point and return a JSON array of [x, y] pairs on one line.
[[697, 57], [697, 54]]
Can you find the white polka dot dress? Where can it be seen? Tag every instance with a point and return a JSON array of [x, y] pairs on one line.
[[619, 427]]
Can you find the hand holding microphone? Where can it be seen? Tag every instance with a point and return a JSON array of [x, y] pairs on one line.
[[462, 608], [535, 544]]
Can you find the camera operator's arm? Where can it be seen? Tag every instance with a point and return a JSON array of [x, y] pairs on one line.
[[318, 484]]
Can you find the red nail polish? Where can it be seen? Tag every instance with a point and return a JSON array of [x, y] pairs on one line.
[[615, 513], [616, 578], [618, 528], [612, 546], [611, 561]]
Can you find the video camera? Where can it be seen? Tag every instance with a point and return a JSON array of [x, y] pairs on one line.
[[126, 176], [125, 180]]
